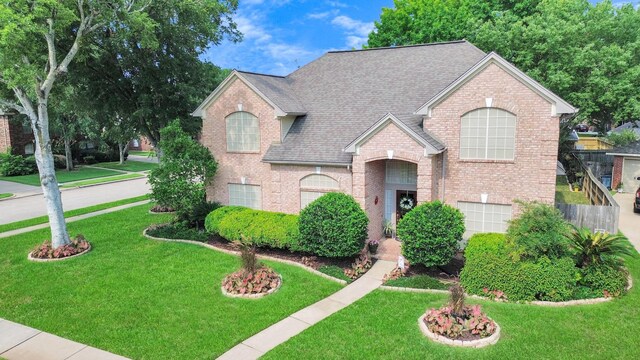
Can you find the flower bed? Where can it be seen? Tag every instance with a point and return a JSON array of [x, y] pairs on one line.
[[434, 323], [242, 283], [45, 252]]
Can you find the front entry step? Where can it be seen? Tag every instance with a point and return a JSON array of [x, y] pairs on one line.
[[389, 249]]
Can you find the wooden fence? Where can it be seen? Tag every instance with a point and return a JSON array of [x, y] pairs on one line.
[[601, 215]]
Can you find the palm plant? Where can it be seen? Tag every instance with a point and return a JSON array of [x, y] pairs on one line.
[[597, 248]]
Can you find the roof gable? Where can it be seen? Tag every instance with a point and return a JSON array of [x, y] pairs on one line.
[[387, 119], [559, 106]]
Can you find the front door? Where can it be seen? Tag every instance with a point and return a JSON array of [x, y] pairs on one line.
[[405, 201]]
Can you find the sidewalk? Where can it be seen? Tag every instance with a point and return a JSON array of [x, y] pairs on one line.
[[278, 333], [24, 343]]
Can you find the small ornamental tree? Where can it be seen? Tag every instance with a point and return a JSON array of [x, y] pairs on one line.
[[185, 170], [430, 233], [333, 225]]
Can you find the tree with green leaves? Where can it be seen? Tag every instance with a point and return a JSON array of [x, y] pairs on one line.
[[40, 40]]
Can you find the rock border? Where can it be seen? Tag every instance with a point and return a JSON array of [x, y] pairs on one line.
[[34, 259], [252, 296], [237, 253], [536, 302], [161, 213], [479, 343]]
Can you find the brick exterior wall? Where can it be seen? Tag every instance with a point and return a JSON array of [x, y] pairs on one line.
[[143, 144], [531, 175], [617, 171], [13, 136]]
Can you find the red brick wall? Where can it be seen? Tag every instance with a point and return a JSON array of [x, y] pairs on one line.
[[617, 171], [531, 175], [374, 188], [12, 135], [5, 137]]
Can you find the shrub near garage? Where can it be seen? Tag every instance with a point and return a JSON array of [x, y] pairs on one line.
[[333, 225], [430, 233], [212, 221], [262, 228]]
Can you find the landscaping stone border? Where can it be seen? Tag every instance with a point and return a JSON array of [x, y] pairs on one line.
[[252, 296], [31, 258], [161, 213], [537, 303], [237, 253], [490, 340]]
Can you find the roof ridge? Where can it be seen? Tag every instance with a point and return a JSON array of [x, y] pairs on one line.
[[261, 74], [401, 47]]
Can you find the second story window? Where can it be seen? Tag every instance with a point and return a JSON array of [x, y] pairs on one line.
[[243, 132], [488, 134]]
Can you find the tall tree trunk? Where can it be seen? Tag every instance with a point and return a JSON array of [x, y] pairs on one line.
[[67, 148], [48, 180], [122, 148]]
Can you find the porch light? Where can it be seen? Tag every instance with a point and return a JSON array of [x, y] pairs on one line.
[[243, 180], [390, 154], [484, 198], [239, 106], [488, 102]]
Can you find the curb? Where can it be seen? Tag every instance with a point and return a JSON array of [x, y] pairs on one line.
[[237, 253], [479, 343], [103, 183], [8, 198]]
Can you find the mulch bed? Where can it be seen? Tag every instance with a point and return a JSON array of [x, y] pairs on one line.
[[449, 272], [311, 261]]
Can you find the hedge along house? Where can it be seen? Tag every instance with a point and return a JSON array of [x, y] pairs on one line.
[[393, 127]]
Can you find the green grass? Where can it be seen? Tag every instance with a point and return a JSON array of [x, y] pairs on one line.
[[142, 298], [63, 176], [5, 195], [564, 195], [128, 165], [335, 271], [142, 153], [385, 322], [418, 282], [102, 180], [67, 214]]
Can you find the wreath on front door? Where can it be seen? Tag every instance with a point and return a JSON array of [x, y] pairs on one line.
[[406, 203]]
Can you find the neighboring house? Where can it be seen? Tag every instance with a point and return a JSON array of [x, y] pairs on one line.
[[407, 124], [626, 166], [592, 143], [632, 125], [142, 143], [15, 135]]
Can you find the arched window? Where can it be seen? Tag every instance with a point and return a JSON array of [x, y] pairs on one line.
[[243, 132], [488, 134], [314, 186]]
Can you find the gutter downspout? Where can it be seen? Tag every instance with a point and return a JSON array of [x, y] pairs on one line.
[[444, 159]]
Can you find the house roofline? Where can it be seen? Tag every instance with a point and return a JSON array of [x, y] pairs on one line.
[[307, 163], [399, 47], [623, 155], [560, 106]]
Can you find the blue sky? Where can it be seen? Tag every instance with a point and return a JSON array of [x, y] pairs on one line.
[[281, 35]]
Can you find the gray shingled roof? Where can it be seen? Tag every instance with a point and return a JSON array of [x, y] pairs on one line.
[[633, 125], [343, 93], [631, 149]]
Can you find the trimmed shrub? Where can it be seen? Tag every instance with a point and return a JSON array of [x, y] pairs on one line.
[[430, 233], [16, 165], [539, 231], [489, 267], [261, 228], [604, 279], [199, 212], [212, 221], [60, 162], [333, 225]]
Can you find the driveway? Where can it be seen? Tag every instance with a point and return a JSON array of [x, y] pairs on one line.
[[28, 207], [629, 221], [15, 188]]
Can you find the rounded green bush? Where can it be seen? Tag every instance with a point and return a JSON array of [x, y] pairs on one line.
[[430, 233], [261, 228], [604, 277], [212, 221], [333, 225]]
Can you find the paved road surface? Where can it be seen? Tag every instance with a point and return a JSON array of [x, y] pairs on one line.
[[33, 206], [629, 221], [149, 159], [15, 188]]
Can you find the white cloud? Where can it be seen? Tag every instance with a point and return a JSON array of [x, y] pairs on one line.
[[281, 51], [353, 26], [321, 15], [337, 4], [251, 31], [356, 41]]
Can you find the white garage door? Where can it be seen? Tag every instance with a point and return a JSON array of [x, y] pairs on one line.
[[630, 171]]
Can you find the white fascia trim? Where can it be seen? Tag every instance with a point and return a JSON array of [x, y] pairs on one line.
[[225, 84], [624, 155], [379, 125], [304, 163], [559, 106]]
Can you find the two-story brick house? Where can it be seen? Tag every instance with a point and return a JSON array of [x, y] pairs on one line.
[[392, 127], [15, 136]]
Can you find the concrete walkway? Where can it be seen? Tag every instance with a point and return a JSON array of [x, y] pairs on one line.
[[24, 343], [278, 333], [629, 222], [33, 206], [72, 219]]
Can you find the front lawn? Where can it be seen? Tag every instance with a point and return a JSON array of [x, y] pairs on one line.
[[63, 176], [5, 195], [566, 196], [385, 323], [142, 298], [128, 165]]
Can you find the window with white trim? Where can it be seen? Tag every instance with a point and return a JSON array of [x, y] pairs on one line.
[[483, 218], [488, 134], [314, 186], [245, 195], [29, 149], [401, 172], [243, 132]]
